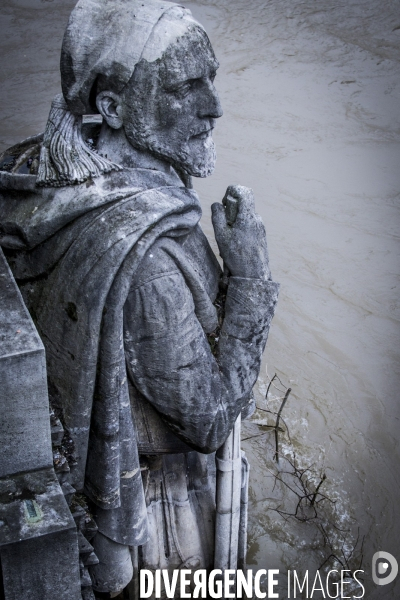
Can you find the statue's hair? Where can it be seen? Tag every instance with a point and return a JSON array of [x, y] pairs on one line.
[[65, 159]]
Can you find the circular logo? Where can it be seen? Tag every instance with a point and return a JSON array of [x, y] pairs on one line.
[[384, 568]]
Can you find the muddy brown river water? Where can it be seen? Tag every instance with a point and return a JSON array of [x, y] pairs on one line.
[[311, 96]]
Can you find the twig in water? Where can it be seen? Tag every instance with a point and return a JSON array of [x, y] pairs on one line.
[[269, 385], [276, 430]]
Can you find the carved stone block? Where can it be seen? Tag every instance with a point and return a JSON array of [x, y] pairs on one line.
[[24, 426]]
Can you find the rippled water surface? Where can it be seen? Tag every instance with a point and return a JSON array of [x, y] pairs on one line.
[[311, 94]]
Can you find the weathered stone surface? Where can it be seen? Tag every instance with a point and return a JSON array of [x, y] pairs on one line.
[[57, 432], [24, 426], [38, 540], [42, 568], [17, 514]]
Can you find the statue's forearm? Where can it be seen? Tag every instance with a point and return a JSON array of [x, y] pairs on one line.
[[250, 306], [199, 395]]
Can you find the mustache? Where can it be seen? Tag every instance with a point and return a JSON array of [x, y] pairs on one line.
[[203, 128]]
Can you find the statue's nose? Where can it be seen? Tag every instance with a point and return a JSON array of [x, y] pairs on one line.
[[210, 105]]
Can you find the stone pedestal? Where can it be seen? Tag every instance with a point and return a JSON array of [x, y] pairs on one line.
[[38, 537]]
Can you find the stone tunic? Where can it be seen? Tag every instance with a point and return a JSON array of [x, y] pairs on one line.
[[173, 370], [168, 355]]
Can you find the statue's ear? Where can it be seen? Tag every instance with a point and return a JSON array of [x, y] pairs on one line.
[[110, 107]]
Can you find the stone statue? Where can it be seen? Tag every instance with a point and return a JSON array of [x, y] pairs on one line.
[[151, 353]]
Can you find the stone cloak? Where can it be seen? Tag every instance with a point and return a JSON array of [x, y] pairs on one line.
[[75, 252]]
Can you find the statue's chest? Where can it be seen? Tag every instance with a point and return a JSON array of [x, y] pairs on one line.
[[202, 259]]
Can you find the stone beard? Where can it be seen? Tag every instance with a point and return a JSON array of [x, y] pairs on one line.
[[151, 353], [202, 166]]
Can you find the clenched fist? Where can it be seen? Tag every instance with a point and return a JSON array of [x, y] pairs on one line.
[[242, 244]]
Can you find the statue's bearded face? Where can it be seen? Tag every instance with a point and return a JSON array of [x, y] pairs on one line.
[[170, 104]]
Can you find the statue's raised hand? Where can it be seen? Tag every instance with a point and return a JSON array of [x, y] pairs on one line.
[[242, 244]]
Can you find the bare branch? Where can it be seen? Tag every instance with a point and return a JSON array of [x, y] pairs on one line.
[[277, 423], [269, 385]]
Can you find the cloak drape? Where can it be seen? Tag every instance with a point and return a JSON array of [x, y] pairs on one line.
[[75, 253]]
